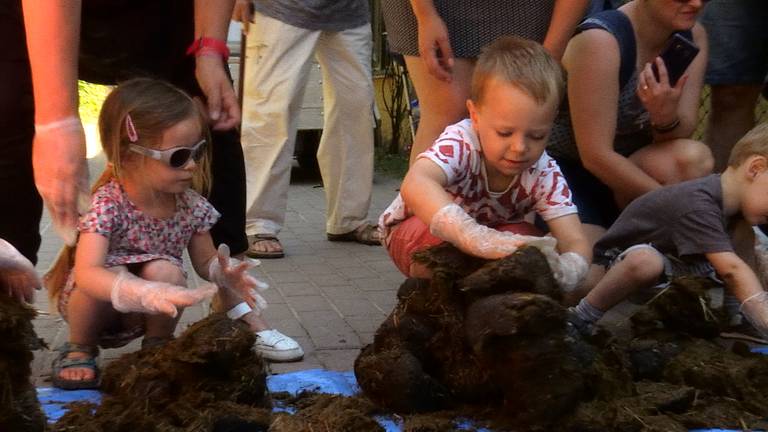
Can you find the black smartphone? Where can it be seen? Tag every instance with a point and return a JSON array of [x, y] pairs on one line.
[[677, 56]]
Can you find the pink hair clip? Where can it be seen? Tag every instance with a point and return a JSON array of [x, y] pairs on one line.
[[131, 129]]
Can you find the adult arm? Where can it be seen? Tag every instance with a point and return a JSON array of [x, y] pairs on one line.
[[592, 61], [58, 152], [212, 21], [565, 16], [433, 39], [667, 105]]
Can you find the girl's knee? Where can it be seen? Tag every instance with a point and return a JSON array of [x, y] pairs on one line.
[[162, 271]]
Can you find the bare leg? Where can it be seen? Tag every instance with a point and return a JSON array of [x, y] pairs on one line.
[[88, 317], [674, 161], [732, 115], [639, 269], [440, 103], [161, 325]]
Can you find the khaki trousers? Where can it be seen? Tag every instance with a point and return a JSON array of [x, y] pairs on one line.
[[278, 58]]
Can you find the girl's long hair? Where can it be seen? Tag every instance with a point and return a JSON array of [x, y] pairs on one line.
[[154, 106]]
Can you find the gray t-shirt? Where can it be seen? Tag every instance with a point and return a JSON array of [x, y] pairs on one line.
[[328, 15], [685, 220]]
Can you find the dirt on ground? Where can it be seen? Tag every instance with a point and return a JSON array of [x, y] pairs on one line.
[[483, 335], [208, 379], [19, 407]]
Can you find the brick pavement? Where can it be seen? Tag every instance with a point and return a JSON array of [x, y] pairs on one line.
[[330, 297]]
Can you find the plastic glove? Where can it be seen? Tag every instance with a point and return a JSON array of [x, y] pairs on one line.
[[755, 309], [232, 274], [569, 270], [17, 274], [134, 294], [453, 224], [61, 173]]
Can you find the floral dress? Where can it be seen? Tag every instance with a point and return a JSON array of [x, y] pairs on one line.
[[135, 237]]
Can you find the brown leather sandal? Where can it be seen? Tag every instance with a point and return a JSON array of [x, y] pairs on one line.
[[258, 238], [366, 233]]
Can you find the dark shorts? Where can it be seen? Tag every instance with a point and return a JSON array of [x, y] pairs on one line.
[[738, 41], [593, 198]]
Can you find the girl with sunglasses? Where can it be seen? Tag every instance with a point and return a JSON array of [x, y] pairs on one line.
[[128, 277]]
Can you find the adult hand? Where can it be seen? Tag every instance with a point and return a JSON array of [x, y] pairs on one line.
[[658, 97], [223, 109], [435, 48], [134, 294], [243, 11], [232, 274], [18, 278], [61, 173]]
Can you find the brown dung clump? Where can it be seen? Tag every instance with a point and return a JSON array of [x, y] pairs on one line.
[[19, 407], [209, 379], [492, 336]]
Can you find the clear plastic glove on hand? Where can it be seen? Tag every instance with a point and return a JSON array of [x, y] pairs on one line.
[[755, 310], [61, 173], [232, 274], [453, 224], [18, 278], [131, 293], [569, 270]]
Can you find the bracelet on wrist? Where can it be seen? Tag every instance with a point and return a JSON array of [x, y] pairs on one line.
[[669, 127], [208, 46]]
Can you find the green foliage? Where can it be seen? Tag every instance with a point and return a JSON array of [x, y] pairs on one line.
[[91, 98], [392, 165]]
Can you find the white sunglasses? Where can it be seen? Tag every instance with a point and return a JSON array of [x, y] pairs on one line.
[[176, 157]]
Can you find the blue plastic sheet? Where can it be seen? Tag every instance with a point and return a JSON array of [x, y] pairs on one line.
[[314, 380]]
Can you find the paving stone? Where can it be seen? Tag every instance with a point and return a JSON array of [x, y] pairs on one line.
[[338, 360]]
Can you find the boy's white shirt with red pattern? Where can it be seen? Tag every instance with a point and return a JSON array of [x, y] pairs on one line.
[[541, 188]]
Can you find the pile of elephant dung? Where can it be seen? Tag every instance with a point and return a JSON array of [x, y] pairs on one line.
[[209, 379], [492, 336], [19, 407]]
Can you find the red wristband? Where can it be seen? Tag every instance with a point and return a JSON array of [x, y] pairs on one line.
[[207, 45]]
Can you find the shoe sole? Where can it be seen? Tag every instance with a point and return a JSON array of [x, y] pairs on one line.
[[281, 356]]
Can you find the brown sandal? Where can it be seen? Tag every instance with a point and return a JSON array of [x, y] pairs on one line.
[[258, 238], [366, 233]]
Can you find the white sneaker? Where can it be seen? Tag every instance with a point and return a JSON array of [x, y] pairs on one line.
[[275, 346]]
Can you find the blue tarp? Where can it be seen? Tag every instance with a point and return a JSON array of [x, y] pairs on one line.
[[315, 380]]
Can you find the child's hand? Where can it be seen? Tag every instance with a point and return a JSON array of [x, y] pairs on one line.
[[569, 270], [17, 274], [232, 274], [755, 310], [134, 294]]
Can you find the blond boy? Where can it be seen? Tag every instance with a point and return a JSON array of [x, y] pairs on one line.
[[684, 229], [484, 175]]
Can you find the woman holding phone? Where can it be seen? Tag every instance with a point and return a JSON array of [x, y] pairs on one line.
[[625, 130]]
